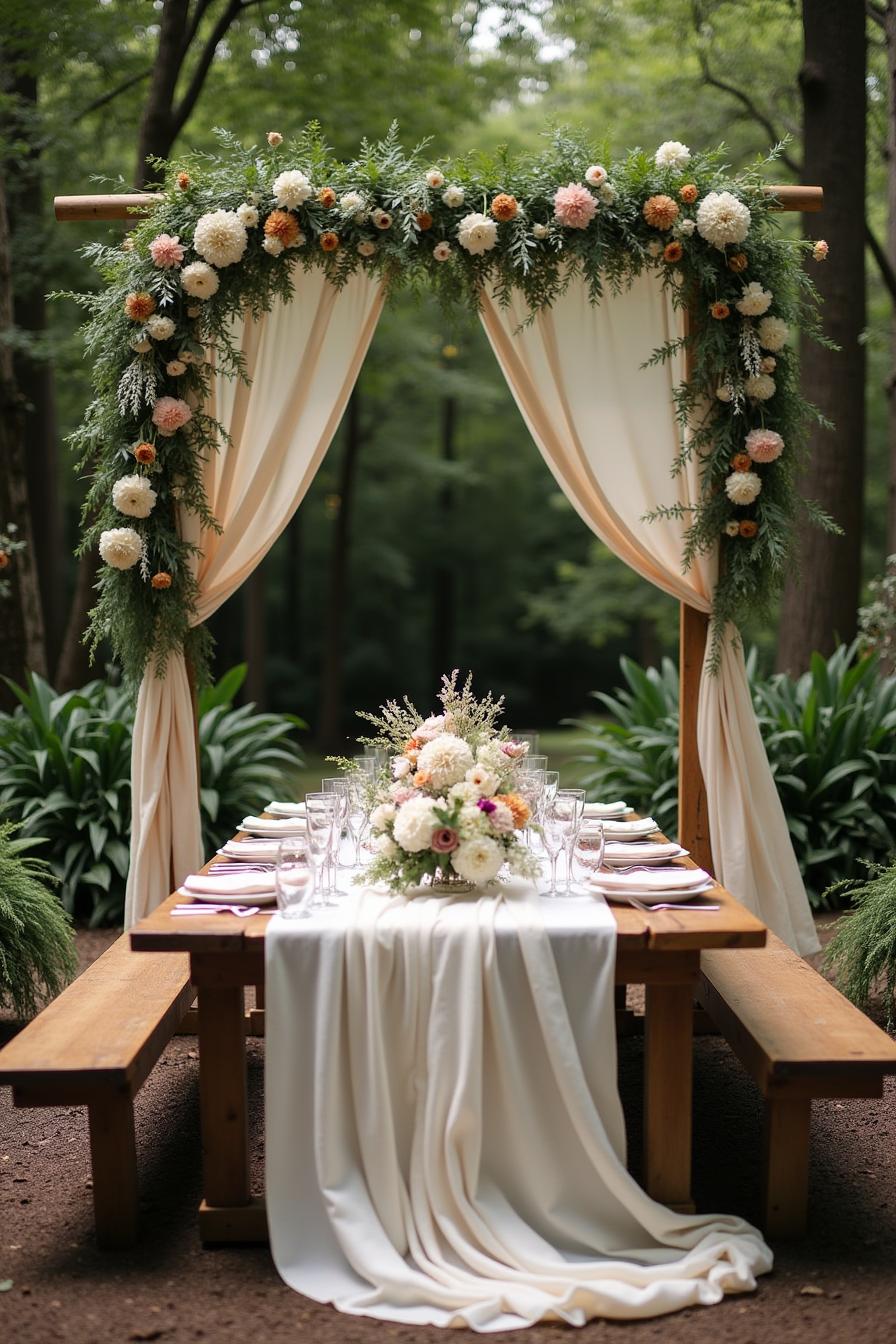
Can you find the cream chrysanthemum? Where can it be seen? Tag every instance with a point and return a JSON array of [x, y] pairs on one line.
[[248, 214], [291, 188], [160, 328], [445, 760], [220, 237], [121, 547], [773, 333], [672, 154], [722, 218], [478, 859], [134, 496], [200, 280], [742, 487], [476, 233], [760, 387], [381, 816], [415, 822], [755, 300]]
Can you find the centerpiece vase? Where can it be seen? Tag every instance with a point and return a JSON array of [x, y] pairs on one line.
[[446, 882]]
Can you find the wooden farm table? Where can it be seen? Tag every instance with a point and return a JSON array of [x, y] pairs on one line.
[[660, 950]]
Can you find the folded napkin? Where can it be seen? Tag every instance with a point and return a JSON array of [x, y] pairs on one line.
[[653, 879], [598, 810], [645, 826], [273, 825], [266, 850], [225, 884], [286, 809]]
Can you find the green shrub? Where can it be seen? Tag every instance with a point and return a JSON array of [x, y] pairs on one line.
[[37, 948], [829, 736], [862, 952], [65, 775]]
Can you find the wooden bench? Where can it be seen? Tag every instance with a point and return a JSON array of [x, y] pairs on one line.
[[799, 1038], [94, 1046]]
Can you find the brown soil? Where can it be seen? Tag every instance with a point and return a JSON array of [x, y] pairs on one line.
[[839, 1284]]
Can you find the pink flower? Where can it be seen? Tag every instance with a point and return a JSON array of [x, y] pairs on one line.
[[400, 793], [574, 206], [169, 414], [444, 840], [820, 250], [514, 749], [166, 251], [764, 445]]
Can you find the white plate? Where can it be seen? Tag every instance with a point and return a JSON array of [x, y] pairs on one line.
[[257, 898], [286, 809], [264, 851], [630, 830], [649, 896], [618, 855]]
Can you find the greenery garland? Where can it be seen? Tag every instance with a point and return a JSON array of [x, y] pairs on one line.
[[230, 230]]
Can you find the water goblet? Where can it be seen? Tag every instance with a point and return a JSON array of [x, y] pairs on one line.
[[357, 815], [588, 852], [573, 803], [531, 789], [319, 822], [553, 837], [337, 786], [293, 880], [534, 763], [551, 785]]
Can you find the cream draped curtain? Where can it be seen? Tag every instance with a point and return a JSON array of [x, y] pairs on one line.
[[607, 429], [302, 359]]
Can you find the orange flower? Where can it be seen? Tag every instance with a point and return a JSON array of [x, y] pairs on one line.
[[145, 453], [161, 580], [329, 241], [327, 197], [719, 311], [139, 306], [748, 528], [424, 221], [421, 779], [738, 261], [183, 181], [660, 212], [673, 252], [519, 808], [688, 193], [283, 226], [4, 559], [742, 462], [504, 207]]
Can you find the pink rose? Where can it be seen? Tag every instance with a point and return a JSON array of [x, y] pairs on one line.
[[400, 793], [170, 414], [444, 840], [166, 251], [574, 206], [514, 749], [764, 445]]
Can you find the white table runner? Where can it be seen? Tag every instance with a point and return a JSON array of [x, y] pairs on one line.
[[445, 1141]]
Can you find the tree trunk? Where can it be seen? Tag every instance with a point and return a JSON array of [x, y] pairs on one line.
[[157, 125], [330, 731], [890, 36], [73, 668], [819, 612], [22, 646]]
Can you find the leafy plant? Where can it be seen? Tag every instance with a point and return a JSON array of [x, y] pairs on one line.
[[862, 952], [65, 775], [37, 951], [829, 739]]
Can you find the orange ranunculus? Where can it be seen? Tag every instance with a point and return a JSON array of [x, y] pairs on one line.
[[504, 207], [145, 454], [719, 310], [161, 580], [424, 220], [421, 779], [327, 197], [283, 226], [688, 193], [519, 808], [673, 252], [4, 559], [738, 261], [742, 462], [184, 180], [748, 528], [660, 212], [329, 241], [139, 306]]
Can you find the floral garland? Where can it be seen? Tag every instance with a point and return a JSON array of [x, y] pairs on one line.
[[229, 231]]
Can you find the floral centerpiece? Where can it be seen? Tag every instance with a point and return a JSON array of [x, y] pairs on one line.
[[446, 812]]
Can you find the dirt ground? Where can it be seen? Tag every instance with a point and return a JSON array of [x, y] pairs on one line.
[[839, 1285]]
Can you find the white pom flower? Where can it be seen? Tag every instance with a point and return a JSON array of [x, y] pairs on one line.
[[220, 237], [381, 816], [607, 193], [134, 496], [539, 231], [159, 328], [773, 333], [351, 203], [415, 822], [672, 154], [732, 528], [492, 758], [686, 228], [446, 760], [435, 178], [272, 246], [596, 175], [291, 188], [478, 859], [121, 547], [199, 280], [175, 367], [742, 487], [755, 300], [655, 248], [760, 387], [453, 196], [248, 215], [483, 780], [140, 345], [366, 247], [430, 728], [442, 251], [463, 793], [722, 218], [477, 233]]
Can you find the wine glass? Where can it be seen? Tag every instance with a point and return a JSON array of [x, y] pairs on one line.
[[572, 802], [551, 785], [337, 786], [292, 880], [319, 822], [554, 830], [531, 788], [357, 814]]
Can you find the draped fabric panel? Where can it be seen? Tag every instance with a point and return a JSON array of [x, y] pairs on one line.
[[303, 359], [606, 428]]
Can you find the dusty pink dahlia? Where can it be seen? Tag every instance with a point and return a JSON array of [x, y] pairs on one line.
[[166, 251], [574, 206], [169, 414], [764, 445]]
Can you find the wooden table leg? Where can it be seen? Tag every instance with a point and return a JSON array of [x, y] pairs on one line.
[[113, 1157], [668, 1093], [223, 1095]]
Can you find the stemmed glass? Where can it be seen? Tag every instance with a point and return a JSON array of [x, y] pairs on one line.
[[588, 853], [572, 803], [551, 785], [320, 819], [554, 830], [531, 789], [293, 880], [357, 814], [337, 787]]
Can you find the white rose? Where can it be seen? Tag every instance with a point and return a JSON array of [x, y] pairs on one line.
[[773, 333], [596, 175], [121, 547], [160, 328], [381, 816], [199, 280], [248, 215], [385, 846], [672, 154], [134, 496], [175, 367], [760, 387], [442, 251], [478, 859], [220, 237], [483, 779], [742, 487], [463, 793], [445, 759], [453, 196], [477, 233], [607, 193], [732, 528], [415, 822], [655, 248], [187, 357], [272, 246], [686, 227], [539, 231], [291, 188], [435, 178], [755, 300]]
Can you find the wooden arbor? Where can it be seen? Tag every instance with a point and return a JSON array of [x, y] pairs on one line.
[[693, 820]]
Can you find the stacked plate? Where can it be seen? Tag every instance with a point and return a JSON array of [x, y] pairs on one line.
[[230, 888], [654, 885], [619, 853], [252, 851]]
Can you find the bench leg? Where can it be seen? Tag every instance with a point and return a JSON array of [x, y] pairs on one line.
[[113, 1156], [786, 1166], [668, 1088]]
